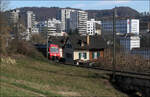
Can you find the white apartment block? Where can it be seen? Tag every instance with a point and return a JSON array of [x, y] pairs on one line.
[[82, 22], [35, 29], [91, 27], [13, 16], [50, 27], [130, 42], [30, 19], [64, 17], [42, 26], [123, 26], [73, 19], [30, 24]]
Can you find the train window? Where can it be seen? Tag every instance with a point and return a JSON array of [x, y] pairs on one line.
[[54, 50]]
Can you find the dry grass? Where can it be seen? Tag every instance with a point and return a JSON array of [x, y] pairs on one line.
[[48, 79]]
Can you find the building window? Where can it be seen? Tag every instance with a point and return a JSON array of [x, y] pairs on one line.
[[95, 55], [98, 54], [79, 55], [82, 55]]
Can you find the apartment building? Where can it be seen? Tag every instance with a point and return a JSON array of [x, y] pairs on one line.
[[13, 16], [92, 27], [50, 27], [129, 42], [73, 22], [73, 19], [144, 27], [82, 22], [123, 26], [30, 19], [64, 16]]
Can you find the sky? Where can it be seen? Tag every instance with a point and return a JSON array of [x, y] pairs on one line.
[[139, 5]]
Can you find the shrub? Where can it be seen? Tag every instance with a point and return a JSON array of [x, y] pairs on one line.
[[24, 48], [125, 62]]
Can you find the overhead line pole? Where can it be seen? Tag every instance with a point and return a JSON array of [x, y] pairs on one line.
[[47, 44], [114, 43]]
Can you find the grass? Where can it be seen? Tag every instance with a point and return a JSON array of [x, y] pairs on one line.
[[32, 77]]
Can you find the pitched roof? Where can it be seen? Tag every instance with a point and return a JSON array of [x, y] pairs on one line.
[[59, 40], [96, 42]]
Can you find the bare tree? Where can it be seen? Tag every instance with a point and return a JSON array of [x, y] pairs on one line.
[[19, 30], [125, 61], [3, 5], [38, 39], [4, 28]]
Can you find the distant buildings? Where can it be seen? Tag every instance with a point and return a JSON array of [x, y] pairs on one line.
[[144, 27], [64, 16], [29, 19], [123, 26], [82, 20], [13, 16], [129, 42], [93, 27], [145, 52], [73, 19], [25, 18], [129, 28], [54, 27], [50, 27]]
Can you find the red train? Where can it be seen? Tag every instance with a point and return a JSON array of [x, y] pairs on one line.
[[54, 52]]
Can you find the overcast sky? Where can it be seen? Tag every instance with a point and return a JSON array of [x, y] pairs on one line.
[[139, 5]]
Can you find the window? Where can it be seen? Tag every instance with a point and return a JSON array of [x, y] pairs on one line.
[[82, 55], [79, 55], [98, 54], [54, 50], [95, 55]]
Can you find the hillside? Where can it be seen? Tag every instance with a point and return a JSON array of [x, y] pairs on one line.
[[43, 13], [24, 76], [121, 12]]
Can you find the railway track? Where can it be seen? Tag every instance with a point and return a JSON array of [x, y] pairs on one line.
[[128, 81], [145, 76]]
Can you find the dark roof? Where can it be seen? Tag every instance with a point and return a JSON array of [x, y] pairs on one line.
[[96, 42], [141, 49], [129, 35], [58, 40]]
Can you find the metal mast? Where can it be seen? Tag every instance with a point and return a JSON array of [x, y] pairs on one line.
[[114, 43]]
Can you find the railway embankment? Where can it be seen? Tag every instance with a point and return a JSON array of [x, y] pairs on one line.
[[138, 85]]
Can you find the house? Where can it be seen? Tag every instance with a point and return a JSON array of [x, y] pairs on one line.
[[86, 48]]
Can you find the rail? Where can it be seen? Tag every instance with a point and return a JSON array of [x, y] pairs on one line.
[[125, 73]]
